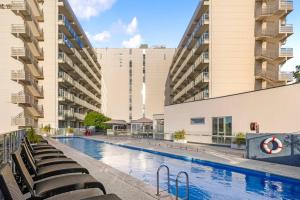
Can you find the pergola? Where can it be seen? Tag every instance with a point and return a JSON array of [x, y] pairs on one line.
[[117, 124], [142, 125]]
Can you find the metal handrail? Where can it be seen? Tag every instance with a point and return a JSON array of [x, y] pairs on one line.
[[157, 178], [186, 187]]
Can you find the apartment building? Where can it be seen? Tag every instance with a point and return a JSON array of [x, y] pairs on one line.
[[50, 66], [231, 47], [134, 81]]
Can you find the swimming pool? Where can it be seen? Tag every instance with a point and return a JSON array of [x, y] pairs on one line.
[[208, 180]]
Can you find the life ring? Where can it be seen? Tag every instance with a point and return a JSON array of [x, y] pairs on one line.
[[271, 140]]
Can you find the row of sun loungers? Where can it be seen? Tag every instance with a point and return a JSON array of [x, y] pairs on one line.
[[44, 172]]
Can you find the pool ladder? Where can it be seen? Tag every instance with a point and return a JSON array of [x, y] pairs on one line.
[[177, 180]]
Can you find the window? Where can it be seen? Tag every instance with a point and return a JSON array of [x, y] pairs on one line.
[[197, 121]]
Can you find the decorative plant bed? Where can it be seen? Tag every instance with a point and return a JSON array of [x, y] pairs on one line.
[[180, 141], [239, 142], [179, 137]]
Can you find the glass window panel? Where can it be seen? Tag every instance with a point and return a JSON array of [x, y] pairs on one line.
[[215, 126], [221, 126], [228, 126]]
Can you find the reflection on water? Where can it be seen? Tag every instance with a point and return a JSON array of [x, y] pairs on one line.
[[206, 182]]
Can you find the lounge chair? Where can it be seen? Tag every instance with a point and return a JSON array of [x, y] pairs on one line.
[[52, 186], [39, 146], [11, 190], [41, 151], [50, 170]]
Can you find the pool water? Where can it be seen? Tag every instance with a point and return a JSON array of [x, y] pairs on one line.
[[207, 180]]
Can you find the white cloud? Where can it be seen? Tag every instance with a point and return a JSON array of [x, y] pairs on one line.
[[102, 37], [86, 9], [124, 28], [133, 42], [132, 26]]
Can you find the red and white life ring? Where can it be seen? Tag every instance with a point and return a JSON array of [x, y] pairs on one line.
[[271, 140]]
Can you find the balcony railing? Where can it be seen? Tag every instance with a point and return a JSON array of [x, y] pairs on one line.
[[273, 7], [286, 28], [202, 78], [286, 52], [23, 120]]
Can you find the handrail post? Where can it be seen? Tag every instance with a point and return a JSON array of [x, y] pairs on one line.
[[157, 178], [186, 187]]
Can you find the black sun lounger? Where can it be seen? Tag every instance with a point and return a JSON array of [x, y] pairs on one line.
[[39, 146], [53, 185], [11, 190], [41, 151], [48, 159], [51, 170]]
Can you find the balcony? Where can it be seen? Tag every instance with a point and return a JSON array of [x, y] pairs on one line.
[[27, 80], [65, 61], [65, 115], [68, 29], [65, 79], [280, 32], [28, 101], [65, 96], [278, 8], [202, 95], [64, 43], [202, 80], [281, 55], [22, 120], [79, 116], [202, 25], [23, 8]]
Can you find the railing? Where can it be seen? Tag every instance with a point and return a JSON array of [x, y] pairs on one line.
[[286, 28], [202, 78], [65, 40], [22, 98], [23, 121], [286, 52], [10, 142]]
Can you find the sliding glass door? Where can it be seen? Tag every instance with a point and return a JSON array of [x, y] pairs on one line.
[[222, 130]]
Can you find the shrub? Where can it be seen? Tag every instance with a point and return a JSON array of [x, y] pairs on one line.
[[97, 120], [179, 135], [70, 130], [32, 136], [240, 139], [47, 128]]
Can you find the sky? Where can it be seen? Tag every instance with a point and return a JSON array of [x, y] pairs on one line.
[[129, 23]]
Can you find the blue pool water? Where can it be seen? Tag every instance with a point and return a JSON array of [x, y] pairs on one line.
[[207, 180]]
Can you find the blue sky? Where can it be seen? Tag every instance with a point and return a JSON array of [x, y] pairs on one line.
[[128, 23]]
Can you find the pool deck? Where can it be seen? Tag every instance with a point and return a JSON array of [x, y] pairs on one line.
[[125, 186], [129, 188]]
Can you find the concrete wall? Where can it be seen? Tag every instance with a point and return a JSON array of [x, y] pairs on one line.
[[115, 71], [289, 155], [274, 109], [50, 65], [232, 47]]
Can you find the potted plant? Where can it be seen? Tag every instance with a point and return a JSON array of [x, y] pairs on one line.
[[179, 137], [70, 132], [239, 141], [32, 136]]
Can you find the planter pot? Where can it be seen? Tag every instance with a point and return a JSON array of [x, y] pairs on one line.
[[180, 141], [70, 134], [238, 146]]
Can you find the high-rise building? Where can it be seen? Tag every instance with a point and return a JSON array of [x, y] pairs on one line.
[[231, 47], [49, 68], [134, 81]]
